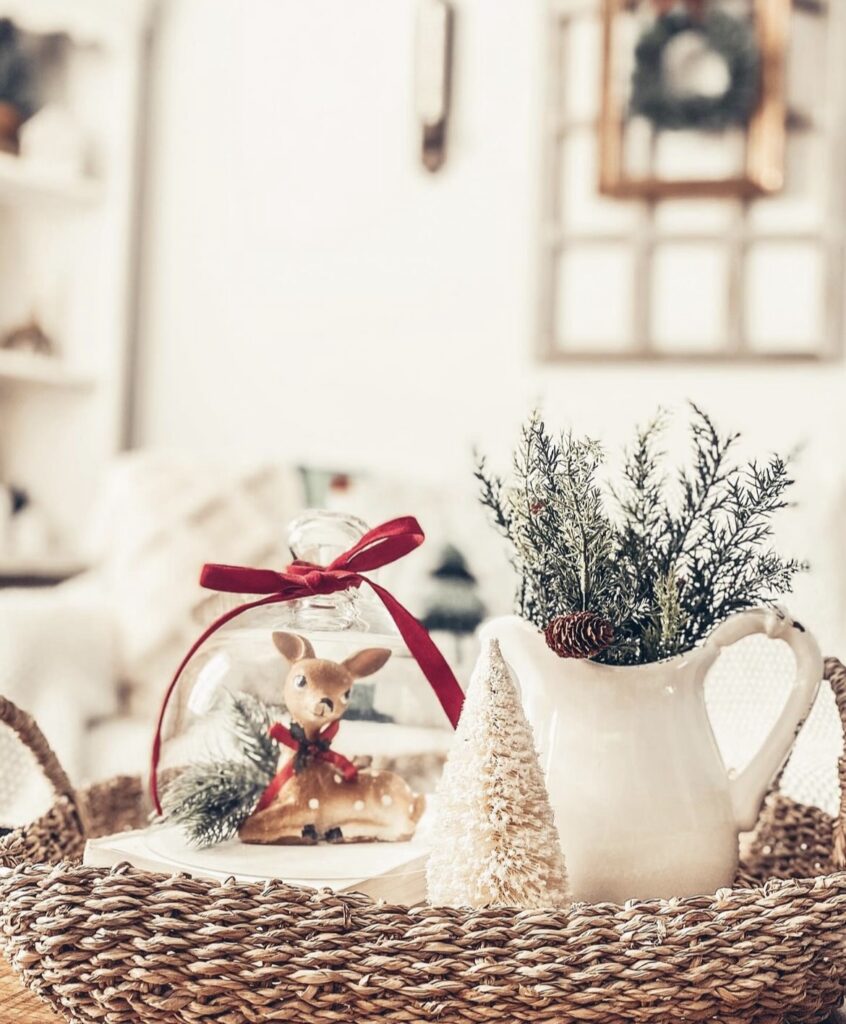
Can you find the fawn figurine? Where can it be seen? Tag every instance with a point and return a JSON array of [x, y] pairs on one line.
[[319, 794]]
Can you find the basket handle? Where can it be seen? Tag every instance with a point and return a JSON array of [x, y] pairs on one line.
[[24, 726], [835, 673]]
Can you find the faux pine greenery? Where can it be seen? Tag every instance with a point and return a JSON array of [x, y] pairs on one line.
[[663, 556], [212, 799]]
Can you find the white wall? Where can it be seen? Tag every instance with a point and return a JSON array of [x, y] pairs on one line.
[[312, 294]]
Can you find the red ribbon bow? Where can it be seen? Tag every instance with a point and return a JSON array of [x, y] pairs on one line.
[[306, 750], [380, 546]]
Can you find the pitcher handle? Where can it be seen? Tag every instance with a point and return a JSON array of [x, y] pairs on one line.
[[749, 788]]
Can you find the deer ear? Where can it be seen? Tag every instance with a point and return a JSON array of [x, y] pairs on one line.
[[366, 662], [293, 646]]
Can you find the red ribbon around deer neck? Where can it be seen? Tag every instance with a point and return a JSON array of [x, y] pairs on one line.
[[308, 750], [380, 546]]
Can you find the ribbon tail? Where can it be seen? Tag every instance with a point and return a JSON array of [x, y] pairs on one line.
[[343, 764], [432, 663], [331, 731], [272, 791], [281, 734]]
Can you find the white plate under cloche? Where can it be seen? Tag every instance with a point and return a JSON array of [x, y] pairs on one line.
[[342, 866]]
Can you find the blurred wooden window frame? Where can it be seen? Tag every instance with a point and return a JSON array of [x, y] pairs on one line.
[[765, 135], [643, 235]]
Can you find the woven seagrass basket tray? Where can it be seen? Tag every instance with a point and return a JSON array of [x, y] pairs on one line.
[[123, 946]]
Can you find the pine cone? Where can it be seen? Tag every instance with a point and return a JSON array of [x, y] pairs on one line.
[[579, 635]]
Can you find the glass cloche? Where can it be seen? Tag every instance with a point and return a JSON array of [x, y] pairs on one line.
[[308, 720]]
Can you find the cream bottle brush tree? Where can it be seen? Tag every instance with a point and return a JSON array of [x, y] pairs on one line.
[[495, 840]]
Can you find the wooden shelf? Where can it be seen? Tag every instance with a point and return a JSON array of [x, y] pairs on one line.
[[88, 22], [30, 572], [24, 180], [39, 371], [69, 241]]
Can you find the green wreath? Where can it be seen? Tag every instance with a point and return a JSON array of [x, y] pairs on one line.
[[732, 38]]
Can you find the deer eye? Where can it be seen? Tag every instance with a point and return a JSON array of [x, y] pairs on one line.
[[345, 697], [300, 682]]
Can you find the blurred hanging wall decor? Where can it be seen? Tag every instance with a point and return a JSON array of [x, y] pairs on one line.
[[693, 158], [433, 78], [693, 97]]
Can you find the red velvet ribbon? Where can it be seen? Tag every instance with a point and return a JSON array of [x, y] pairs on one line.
[[317, 750], [380, 546]]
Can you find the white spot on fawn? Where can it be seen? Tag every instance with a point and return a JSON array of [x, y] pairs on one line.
[[387, 800], [337, 778], [411, 809], [359, 805], [314, 803]]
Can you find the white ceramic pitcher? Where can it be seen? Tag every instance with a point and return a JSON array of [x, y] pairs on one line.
[[643, 802]]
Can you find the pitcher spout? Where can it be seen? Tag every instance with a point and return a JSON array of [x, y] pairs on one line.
[[521, 643]]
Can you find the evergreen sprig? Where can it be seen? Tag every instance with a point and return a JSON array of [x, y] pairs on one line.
[[211, 799], [662, 558]]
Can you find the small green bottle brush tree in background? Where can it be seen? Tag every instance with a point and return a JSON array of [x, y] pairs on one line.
[[633, 573]]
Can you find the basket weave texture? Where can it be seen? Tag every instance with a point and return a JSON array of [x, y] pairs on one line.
[[123, 946]]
